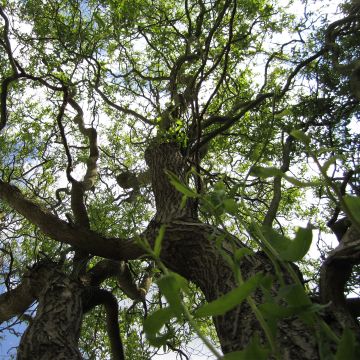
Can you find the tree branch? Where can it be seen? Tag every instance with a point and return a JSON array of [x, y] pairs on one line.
[[335, 272], [93, 297], [60, 230], [18, 300], [274, 205]]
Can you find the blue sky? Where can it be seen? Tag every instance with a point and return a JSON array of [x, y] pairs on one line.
[[9, 342]]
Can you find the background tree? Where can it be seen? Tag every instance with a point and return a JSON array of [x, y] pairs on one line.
[[177, 142]]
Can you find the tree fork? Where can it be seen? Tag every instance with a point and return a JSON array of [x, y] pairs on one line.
[[189, 248]]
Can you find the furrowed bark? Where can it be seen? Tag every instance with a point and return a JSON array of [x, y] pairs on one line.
[[18, 300], [335, 272], [95, 296], [189, 248], [55, 330]]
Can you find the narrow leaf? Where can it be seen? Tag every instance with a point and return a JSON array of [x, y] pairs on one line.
[[158, 241], [231, 299], [300, 135], [155, 321], [174, 180], [289, 250], [161, 340], [295, 295], [329, 162], [231, 206], [240, 253], [301, 184], [170, 286], [347, 346], [265, 172], [353, 203]]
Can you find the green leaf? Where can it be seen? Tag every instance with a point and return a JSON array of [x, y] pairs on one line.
[[231, 206], [325, 150], [183, 201], [174, 180], [254, 351], [265, 172], [353, 204], [298, 300], [170, 286], [220, 187], [330, 161], [231, 299], [301, 244], [301, 184], [295, 295], [289, 250], [240, 253], [158, 241], [347, 346], [161, 340], [300, 135], [274, 310], [155, 321], [99, 20]]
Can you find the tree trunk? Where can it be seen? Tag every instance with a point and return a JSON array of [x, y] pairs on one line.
[[55, 330], [189, 248]]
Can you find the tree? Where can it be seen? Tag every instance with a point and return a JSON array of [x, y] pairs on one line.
[[153, 140]]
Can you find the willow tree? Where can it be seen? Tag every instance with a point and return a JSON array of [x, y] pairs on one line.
[[175, 143]]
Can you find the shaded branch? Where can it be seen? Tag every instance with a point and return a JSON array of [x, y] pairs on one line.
[[3, 98], [275, 202], [103, 270], [129, 287], [60, 230], [6, 43], [18, 300], [336, 271], [93, 297]]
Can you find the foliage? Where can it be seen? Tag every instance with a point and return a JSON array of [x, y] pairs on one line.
[[263, 105]]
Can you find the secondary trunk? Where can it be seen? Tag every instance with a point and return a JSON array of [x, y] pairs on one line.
[[54, 332]]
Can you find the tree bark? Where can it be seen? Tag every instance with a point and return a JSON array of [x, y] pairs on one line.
[[55, 330], [189, 248]]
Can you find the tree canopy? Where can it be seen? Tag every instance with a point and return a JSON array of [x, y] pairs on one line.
[[156, 158]]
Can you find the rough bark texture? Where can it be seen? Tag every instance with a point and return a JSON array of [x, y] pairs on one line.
[[189, 248], [54, 332], [18, 300], [161, 158], [335, 272]]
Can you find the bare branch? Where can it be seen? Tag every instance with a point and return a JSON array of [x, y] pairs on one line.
[[7, 42], [91, 168], [60, 230], [274, 205], [18, 300], [93, 297]]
